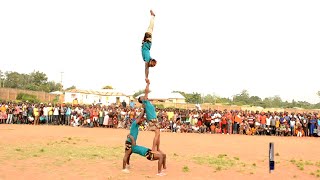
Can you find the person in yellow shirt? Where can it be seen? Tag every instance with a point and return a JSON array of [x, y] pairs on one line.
[[277, 126], [36, 115]]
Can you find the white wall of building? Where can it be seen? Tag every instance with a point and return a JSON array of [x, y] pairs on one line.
[[93, 98]]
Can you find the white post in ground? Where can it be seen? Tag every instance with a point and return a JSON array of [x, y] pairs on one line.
[[271, 157]]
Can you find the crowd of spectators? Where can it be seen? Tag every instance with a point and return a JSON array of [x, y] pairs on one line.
[[172, 120]]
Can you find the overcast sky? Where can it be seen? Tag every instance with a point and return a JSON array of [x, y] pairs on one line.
[[207, 46]]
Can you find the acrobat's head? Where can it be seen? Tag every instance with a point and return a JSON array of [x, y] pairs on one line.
[[140, 99], [152, 63]]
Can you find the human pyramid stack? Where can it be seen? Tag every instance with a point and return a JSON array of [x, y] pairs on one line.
[[131, 143]]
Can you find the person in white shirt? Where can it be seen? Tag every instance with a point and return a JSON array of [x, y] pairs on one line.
[[217, 118], [45, 113]]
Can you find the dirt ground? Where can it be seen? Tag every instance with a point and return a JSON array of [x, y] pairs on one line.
[[251, 151]]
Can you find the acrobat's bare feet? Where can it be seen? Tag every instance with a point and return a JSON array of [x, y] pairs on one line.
[[161, 174], [152, 13]]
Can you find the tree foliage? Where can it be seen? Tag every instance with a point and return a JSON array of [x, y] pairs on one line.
[[28, 98], [244, 98], [191, 97], [72, 87], [107, 87], [138, 93], [35, 81]]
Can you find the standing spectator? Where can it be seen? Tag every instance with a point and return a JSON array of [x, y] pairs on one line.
[[207, 120], [25, 114], [318, 126], [224, 124], [50, 113], [56, 115], [45, 113], [101, 115], [132, 104], [273, 124], [263, 120], [292, 125], [313, 127], [124, 104], [36, 115], [237, 121], [68, 116], [10, 114], [16, 113], [30, 112], [62, 114]]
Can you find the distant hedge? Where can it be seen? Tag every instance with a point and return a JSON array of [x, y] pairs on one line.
[[27, 97]]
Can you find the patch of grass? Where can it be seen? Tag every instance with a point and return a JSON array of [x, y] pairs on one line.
[[174, 154], [69, 138], [254, 165], [293, 161], [185, 169], [220, 162], [300, 165], [277, 162], [308, 163], [251, 173], [317, 163], [61, 150], [222, 155], [316, 173], [277, 154], [236, 158]]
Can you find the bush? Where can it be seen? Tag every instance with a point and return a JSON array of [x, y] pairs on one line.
[[27, 97], [160, 106]]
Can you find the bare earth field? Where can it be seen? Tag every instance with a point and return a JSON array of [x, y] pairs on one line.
[[59, 152]]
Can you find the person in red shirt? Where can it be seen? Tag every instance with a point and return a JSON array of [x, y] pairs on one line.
[[224, 124], [263, 119], [207, 120]]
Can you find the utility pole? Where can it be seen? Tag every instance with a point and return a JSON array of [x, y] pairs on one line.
[[61, 81], [2, 78]]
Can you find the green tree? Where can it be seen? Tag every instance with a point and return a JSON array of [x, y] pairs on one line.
[[193, 98], [209, 99], [36, 81], [223, 100], [242, 98], [255, 101], [107, 87], [72, 87], [38, 78], [318, 93], [138, 93], [13, 80]]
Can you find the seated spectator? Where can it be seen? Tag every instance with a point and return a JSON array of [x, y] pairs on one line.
[[183, 128], [299, 130], [195, 128], [202, 128]]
